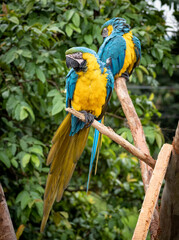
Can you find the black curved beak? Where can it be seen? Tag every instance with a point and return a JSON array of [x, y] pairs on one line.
[[70, 62]]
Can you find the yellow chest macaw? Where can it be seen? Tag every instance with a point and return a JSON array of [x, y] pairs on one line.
[[89, 86], [120, 47]]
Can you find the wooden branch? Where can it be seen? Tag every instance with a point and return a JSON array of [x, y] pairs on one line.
[[134, 124], [115, 137], [139, 141], [152, 193], [169, 210], [6, 227]]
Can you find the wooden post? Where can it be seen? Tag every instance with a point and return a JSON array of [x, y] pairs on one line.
[[169, 210], [6, 227], [152, 193]]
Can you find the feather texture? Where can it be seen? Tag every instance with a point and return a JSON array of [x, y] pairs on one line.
[[63, 156], [121, 46], [87, 90]]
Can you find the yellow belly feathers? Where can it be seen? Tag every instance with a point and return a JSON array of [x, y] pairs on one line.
[[90, 90], [130, 56]]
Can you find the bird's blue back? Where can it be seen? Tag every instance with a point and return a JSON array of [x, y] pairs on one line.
[[114, 46]]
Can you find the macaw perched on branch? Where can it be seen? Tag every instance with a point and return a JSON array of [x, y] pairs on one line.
[[120, 47], [121, 51], [89, 86]]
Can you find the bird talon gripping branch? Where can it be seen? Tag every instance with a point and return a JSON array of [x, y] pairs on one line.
[[89, 118]]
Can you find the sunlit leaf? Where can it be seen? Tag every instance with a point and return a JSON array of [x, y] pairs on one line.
[[76, 19], [40, 75], [25, 160], [35, 160], [14, 20]]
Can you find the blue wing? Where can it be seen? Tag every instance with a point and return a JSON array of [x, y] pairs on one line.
[[113, 47], [109, 88], [71, 79]]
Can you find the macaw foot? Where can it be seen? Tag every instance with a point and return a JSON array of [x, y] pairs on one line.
[[89, 118], [125, 75]]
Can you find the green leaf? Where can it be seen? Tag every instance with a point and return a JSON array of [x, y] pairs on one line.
[[16, 114], [53, 93], [76, 19], [10, 55], [14, 162], [158, 139], [14, 20], [4, 158], [29, 110], [73, 27], [55, 29], [36, 149], [97, 3], [58, 107], [24, 198], [139, 75], [5, 94], [144, 69], [25, 160], [23, 114], [26, 53], [35, 160], [68, 30], [29, 7], [88, 39], [99, 38], [150, 134], [40, 75], [23, 145], [160, 52], [39, 206], [58, 104], [83, 2], [64, 214], [69, 14], [3, 27]]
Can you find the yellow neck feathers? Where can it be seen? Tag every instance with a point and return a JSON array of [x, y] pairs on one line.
[[130, 56]]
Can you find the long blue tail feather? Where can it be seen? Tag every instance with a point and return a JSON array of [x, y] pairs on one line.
[[93, 154]]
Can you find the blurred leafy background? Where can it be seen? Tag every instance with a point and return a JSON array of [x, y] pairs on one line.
[[34, 36]]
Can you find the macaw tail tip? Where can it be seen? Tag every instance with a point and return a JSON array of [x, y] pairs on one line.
[[42, 227]]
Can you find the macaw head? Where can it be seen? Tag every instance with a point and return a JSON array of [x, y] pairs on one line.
[[117, 25], [76, 58]]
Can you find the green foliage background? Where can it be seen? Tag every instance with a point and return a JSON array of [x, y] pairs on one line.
[[34, 36]]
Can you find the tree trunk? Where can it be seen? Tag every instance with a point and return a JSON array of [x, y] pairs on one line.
[[6, 227], [169, 211]]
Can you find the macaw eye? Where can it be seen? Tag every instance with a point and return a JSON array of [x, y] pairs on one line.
[[105, 32]]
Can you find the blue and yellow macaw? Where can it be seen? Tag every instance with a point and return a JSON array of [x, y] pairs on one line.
[[89, 86], [121, 49]]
